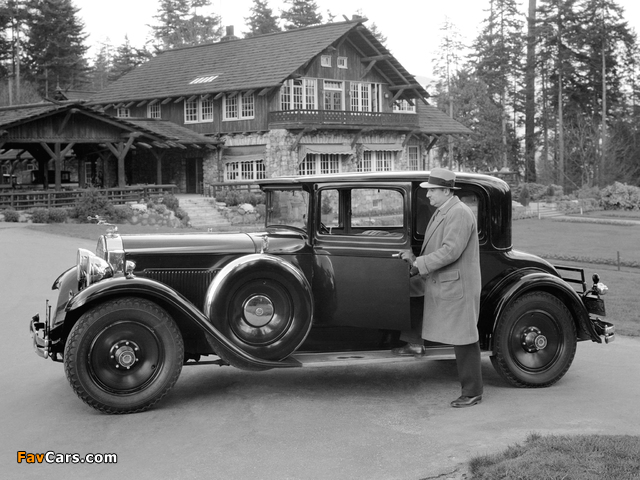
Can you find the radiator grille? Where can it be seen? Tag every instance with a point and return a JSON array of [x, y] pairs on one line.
[[192, 283]]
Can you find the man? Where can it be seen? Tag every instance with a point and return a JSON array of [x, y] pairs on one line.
[[447, 273]]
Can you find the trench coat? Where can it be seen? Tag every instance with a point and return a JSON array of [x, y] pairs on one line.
[[449, 266]]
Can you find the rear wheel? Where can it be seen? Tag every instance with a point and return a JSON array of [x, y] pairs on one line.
[[534, 341], [124, 355]]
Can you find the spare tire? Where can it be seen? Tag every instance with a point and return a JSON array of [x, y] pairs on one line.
[[263, 304]]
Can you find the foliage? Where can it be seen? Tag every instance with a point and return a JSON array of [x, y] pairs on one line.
[[180, 24], [121, 213], [93, 203], [535, 191], [233, 197], [54, 48], [40, 215], [11, 216], [58, 215], [620, 196], [262, 20], [524, 196], [301, 13], [170, 201], [125, 59]]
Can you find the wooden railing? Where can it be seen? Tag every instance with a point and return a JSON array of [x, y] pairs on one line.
[[24, 200], [210, 189], [340, 117]]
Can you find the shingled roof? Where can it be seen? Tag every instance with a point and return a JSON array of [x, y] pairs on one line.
[[251, 63], [436, 122]]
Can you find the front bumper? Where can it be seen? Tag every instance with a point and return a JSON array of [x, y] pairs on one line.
[[605, 330], [40, 336]]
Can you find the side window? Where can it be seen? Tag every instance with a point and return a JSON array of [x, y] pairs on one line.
[[372, 212], [424, 210]]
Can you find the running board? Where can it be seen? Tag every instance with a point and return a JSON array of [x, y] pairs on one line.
[[332, 359]]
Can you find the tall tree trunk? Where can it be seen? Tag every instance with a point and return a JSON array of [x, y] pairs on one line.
[[530, 106], [560, 176]]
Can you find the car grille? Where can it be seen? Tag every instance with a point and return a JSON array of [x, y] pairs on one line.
[[191, 283]]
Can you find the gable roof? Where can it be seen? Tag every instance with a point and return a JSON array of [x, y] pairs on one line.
[[252, 63]]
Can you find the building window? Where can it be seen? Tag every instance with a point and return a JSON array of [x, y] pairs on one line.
[[365, 97], [247, 170], [325, 60], [413, 159], [342, 62], [238, 107], [122, 112], [320, 163], [376, 161], [299, 94], [198, 110], [154, 111], [333, 95], [403, 106]]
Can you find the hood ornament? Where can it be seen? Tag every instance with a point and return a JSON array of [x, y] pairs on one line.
[[265, 244], [112, 229]]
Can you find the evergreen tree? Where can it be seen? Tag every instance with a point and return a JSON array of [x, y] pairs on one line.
[[102, 65], [301, 13], [55, 50], [261, 20], [126, 59], [180, 24]]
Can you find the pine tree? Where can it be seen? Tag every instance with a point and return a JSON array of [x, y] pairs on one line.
[[180, 24], [102, 65], [126, 59], [301, 13], [261, 20], [55, 50]]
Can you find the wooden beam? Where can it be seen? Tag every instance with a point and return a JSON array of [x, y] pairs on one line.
[[204, 97], [129, 105], [178, 100], [376, 57], [219, 96], [166, 100], [299, 137], [154, 101], [409, 86], [265, 91], [358, 135], [192, 98], [142, 103], [368, 68]]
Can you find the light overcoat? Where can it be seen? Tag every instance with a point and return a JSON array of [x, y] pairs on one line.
[[449, 265]]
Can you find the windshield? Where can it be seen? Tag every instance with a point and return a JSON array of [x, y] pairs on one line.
[[288, 208]]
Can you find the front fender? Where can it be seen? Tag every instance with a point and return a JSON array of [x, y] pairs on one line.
[[164, 294], [526, 280]]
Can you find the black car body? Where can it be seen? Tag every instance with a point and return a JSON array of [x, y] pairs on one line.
[[324, 277]]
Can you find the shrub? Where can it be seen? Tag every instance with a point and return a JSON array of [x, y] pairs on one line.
[[121, 213], [11, 216], [161, 208], [40, 215], [93, 203], [181, 214], [58, 215], [524, 196], [170, 201], [536, 191], [620, 196], [233, 197]]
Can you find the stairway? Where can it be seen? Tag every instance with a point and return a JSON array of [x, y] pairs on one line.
[[545, 210], [202, 212]]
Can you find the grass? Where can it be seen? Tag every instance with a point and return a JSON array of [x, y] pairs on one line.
[[581, 457]]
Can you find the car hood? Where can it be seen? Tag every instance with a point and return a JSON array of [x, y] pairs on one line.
[[185, 243]]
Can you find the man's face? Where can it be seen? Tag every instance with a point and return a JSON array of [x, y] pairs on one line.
[[437, 196]]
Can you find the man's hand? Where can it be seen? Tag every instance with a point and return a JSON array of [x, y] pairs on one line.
[[408, 256]]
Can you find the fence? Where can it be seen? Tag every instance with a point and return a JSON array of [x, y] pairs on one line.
[[19, 200], [211, 189]]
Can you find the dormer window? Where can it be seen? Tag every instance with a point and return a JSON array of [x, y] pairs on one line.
[[204, 79], [325, 60], [342, 62]]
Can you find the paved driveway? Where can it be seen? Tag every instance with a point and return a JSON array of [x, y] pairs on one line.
[[373, 422]]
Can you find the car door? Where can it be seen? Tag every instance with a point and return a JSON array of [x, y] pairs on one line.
[[359, 279]]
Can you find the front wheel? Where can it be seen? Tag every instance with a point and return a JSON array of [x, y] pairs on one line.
[[124, 355], [534, 341]]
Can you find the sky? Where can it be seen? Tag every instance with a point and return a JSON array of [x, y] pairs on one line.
[[411, 26]]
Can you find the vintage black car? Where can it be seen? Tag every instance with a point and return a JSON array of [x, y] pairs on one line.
[[322, 284]]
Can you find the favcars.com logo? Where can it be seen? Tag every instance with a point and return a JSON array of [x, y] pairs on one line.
[[53, 457]]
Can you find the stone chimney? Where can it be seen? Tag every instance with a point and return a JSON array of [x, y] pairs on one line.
[[229, 35]]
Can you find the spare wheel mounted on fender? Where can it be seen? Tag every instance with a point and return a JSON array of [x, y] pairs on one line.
[[261, 303]]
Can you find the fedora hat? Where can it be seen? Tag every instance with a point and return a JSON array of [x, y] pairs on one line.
[[440, 178]]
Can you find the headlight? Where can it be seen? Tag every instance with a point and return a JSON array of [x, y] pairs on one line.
[[91, 268]]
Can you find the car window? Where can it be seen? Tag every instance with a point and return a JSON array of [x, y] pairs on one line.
[[288, 208], [362, 211], [424, 210]]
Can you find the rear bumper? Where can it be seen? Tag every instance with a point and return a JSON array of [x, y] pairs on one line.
[[605, 330]]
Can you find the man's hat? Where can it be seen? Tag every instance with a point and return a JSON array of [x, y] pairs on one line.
[[440, 178]]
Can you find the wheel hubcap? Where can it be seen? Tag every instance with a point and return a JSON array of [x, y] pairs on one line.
[[533, 340], [258, 310], [124, 354]]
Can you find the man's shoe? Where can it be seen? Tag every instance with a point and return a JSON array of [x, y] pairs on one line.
[[410, 349], [461, 402]]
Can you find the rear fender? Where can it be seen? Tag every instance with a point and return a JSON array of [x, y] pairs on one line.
[[523, 281], [164, 295]]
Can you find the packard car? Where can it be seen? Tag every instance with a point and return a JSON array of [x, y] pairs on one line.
[[321, 285]]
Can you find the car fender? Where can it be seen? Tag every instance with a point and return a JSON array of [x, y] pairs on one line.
[[165, 295], [526, 280]]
